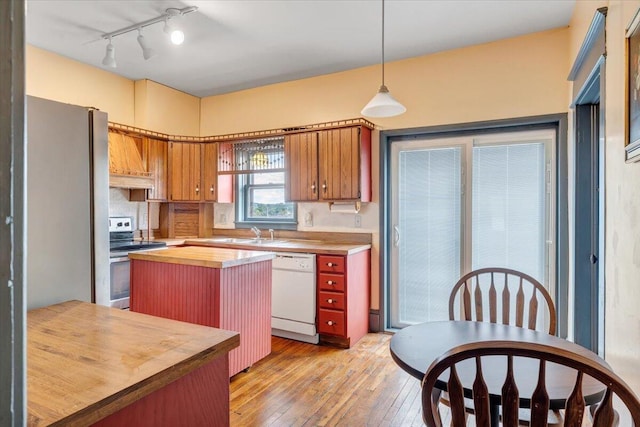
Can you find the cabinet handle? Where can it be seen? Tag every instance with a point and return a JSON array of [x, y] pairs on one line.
[[313, 187], [324, 186], [331, 323], [330, 301], [329, 264], [197, 188], [211, 189], [330, 282]]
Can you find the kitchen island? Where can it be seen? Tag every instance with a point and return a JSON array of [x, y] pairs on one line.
[[94, 365], [223, 288]]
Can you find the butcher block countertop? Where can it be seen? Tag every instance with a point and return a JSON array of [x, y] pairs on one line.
[[203, 256], [291, 245], [85, 361]]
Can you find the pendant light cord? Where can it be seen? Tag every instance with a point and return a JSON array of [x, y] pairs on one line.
[[382, 42]]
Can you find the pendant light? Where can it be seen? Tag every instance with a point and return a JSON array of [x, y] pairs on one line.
[[383, 104]]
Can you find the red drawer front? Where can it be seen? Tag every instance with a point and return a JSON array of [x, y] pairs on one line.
[[331, 282], [332, 300], [331, 322], [331, 264]]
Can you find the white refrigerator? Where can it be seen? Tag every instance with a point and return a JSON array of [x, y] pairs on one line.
[[67, 252]]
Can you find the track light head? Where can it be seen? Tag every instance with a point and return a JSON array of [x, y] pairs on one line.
[[175, 34], [147, 52], [110, 56], [177, 37]]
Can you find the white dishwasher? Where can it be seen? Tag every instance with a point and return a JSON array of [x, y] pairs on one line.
[[293, 300]]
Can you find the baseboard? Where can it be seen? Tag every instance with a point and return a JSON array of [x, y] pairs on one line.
[[374, 321]]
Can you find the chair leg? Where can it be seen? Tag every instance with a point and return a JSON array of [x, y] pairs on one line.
[[435, 399]]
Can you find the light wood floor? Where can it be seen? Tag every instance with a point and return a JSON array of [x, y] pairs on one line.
[[302, 384]]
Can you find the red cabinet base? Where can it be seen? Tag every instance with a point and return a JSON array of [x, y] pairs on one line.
[[235, 298]]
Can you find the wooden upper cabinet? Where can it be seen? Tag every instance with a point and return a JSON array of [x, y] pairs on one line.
[[301, 166], [215, 188], [339, 164], [210, 172], [156, 156], [184, 171], [329, 165]]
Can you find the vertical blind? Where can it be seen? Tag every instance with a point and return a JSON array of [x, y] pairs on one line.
[[257, 155], [508, 217], [429, 226]]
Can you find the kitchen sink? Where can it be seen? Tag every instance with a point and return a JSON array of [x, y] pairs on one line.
[[245, 241], [268, 241], [229, 240]]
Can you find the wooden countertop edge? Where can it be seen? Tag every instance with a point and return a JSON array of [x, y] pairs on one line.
[[113, 403], [303, 247], [157, 257]]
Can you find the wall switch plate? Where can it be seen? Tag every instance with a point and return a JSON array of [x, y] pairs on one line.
[[358, 221], [223, 218]]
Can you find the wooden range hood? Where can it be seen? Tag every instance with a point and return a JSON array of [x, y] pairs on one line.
[[126, 169]]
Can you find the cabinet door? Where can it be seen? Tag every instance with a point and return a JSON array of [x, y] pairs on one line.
[[157, 153], [216, 188], [339, 164], [301, 167], [210, 172], [185, 171]]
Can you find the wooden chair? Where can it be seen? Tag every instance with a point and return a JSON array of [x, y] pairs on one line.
[[604, 414], [492, 291], [480, 288]]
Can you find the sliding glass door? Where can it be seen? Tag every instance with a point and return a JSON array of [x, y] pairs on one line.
[[465, 203]]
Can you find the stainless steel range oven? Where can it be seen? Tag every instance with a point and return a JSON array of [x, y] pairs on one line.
[[121, 243]]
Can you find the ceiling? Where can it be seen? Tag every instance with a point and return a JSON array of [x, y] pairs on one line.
[[234, 45]]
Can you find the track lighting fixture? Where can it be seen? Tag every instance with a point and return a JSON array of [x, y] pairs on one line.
[[110, 56], [176, 35]]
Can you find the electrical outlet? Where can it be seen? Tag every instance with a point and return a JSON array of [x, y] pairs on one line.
[[308, 219], [358, 221], [223, 218]]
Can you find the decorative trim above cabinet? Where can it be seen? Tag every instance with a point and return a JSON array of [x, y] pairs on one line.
[[245, 135]]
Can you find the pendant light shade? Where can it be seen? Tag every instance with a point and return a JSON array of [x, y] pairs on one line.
[[383, 104]]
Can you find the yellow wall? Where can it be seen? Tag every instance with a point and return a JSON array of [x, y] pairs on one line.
[[166, 110], [622, 205], [510, 78], [61, 79], [145, 104]]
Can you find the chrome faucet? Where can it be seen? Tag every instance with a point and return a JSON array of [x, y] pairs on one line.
[[271, 233], [256, 230]]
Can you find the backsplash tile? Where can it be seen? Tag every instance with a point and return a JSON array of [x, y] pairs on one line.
[[119, 205]]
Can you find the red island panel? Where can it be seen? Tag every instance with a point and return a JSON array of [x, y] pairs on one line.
[[188, 401], [235, 298]]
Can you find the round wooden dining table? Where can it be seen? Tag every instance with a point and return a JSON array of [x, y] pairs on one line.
[[415, 347]]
